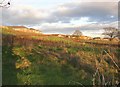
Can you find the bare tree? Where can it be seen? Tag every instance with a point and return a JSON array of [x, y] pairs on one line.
[[111, 32], [77, 33], [5, 3]]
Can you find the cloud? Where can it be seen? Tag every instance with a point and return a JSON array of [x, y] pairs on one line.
[[89, 17], [24, 16], [95, 11], [94, 29], [97, 0]]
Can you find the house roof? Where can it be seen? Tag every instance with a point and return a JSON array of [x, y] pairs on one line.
[[17, 26]]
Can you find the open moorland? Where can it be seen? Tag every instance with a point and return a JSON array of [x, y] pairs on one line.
[[38, 59]]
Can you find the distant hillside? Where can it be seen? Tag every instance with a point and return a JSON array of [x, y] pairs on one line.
[[22, 29]]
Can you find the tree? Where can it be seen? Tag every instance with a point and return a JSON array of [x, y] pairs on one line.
[[111, 32], [77, 33]]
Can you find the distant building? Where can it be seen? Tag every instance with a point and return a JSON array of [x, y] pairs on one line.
[[68, 36], [96, 38], [77, 33], [105, 38], [58, 35], [85, 37]]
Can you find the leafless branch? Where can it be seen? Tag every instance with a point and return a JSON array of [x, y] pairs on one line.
[[94, 76], [5, 4], [112, 59], [2, 1], [111, 32]]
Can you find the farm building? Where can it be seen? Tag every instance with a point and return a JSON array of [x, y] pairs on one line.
[[85, 37], [97, 38], [58, 35], [107, 39]]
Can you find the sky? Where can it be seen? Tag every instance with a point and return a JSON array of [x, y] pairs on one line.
[[62, 16]]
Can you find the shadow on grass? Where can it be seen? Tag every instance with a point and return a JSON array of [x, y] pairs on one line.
[[9, 72]]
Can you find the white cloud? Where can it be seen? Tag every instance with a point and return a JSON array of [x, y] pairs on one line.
[[93, 30], [82, 21], [67, 12]]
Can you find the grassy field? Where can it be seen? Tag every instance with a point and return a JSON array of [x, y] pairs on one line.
[[34, 59]]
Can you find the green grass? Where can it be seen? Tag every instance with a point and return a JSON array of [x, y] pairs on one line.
[[9, 70]]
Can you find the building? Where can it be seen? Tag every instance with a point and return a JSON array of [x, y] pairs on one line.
[[85, 37], [58, 35], [96, 38], [106, 39], [68, 36]]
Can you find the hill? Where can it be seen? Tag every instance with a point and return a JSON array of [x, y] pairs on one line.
[[22, 29]]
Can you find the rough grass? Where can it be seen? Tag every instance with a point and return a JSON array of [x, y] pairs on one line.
[[55, 61]]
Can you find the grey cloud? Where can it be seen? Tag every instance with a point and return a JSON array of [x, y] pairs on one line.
[[24, 16], [96, 11]]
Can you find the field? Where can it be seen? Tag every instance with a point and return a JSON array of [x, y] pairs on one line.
[[35, 59]]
